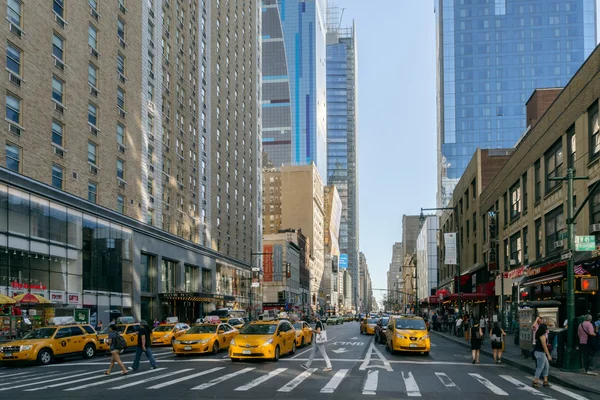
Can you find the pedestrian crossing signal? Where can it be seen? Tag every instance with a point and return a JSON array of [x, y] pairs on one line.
[[589, 284]]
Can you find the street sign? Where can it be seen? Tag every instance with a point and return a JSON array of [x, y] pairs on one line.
[[585, 243], [567, 255], [563, 235], [82, 315]]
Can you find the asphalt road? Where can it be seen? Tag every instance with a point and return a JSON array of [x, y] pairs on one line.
[[361, 369]]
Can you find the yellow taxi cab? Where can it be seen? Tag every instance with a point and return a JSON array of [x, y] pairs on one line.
[[204, 338], [266, 339], [367, 325], [408, 334], [304, 333], [63, 338], [129, 331], [237, 323], [166, 334]]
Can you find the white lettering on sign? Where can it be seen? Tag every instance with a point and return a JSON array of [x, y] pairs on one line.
[[57, 297], [347, 344]]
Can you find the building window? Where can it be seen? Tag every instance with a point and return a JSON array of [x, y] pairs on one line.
[[150, 217], [505, 208], [595, 208], [13, 157], [594, 129], [474, 253], [13, 109], [59, 8], [57, 133], [120, 134], [121, 63], [57, 90], [92, 75], [57, 176], [572, 146], [120, 204], [554, 162], [515, 200], [538, 181], [150, 187], [92, 114], [92, 192], [555, 225], [92, 148], [13, 12], [120, 169], [167, 276], [506, 255], [58, 45], [525, 245], [121, 29], [13, 59], [515, 249], [191, 279], [120, 98], [93, 37], [524, 190], [538, 238], [148, 273]]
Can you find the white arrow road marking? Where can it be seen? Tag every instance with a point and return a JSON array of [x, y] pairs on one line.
[[445, 380], [340, 350], [562, 390], [365, 365], [335, 381], [495, 389], [291, 385], [104, 382], [221, 379], [150, 379], [185, 378], [52, 380], [521, 386], [412, 389], [371, 383], [260, 380]]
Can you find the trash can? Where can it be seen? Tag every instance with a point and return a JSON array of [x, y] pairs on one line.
[[557, 338]]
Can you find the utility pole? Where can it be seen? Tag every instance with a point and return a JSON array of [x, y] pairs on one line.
[[571, 356]]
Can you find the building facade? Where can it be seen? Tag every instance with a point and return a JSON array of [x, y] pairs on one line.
[[133, 127], [490, 57], [294, 114], [333, 213], [342, 138], [395, 284], [427, 258]]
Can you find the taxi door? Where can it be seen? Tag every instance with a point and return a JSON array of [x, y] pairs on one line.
[[307, 332], [62, 342], [289, 335], [131, 335], [230, 333], [77, 339], [222, 336]]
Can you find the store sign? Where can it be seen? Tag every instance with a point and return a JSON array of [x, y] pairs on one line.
[[450, 247], [19, 285], [74, 298], [545, 268], [343, 261], [58, 297], [493, 238], [82, 315], [515, 273], [585, 243]]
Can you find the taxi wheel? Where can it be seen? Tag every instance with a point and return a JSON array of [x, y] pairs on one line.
[[44, 356], [215, 347], [89, 351], [276, 356], [302, 343]]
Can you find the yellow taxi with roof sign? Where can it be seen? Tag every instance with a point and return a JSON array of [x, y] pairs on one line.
[[237, 323], [63, 339], [165, 334], [304, 333], [204, 338], [266, 339], [128, 331], [367, 325], [407, 334]]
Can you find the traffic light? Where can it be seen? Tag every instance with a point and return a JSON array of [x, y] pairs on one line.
[[589, 284]]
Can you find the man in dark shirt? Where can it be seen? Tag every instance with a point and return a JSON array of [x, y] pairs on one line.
[[144, 345]]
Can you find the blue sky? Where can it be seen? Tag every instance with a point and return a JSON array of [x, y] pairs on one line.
[[396, 120]]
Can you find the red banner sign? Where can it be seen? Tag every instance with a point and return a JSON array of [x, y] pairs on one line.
[[18, 285]]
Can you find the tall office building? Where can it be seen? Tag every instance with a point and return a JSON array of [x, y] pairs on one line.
[[490, 57], [294, 125], [132, 149], [342, 158]]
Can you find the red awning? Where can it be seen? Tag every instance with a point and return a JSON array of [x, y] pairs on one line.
[[466, 296]]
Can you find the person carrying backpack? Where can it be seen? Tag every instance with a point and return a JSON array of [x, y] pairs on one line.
[[117, 343]]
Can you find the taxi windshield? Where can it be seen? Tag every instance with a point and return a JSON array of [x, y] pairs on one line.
[[202, 329], [259, 329], [42, 333], [384, 321], [415, 324], [372, 321], [163, 328], [298, 325]]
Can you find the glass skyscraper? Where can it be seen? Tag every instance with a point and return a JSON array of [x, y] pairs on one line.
[[491, 55], [294, 114], [342, 139]]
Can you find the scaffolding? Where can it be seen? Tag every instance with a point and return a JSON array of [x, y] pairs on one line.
[[335, 16]]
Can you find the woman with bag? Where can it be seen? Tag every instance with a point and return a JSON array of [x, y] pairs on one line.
[[113, 337], [497, 335], [542, 356], [476, 335], [320, 340]]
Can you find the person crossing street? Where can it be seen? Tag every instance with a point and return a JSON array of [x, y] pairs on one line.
[[144, 345], [319, 327]]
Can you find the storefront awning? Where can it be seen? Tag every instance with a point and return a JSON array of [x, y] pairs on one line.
[[466, 296], [198, 296], [542, 279], [473, 268]]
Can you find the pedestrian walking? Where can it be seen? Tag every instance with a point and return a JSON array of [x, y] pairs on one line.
[[476, 336], [483, 327], [542, 356], [144, 345], [319, 327], [466, 326], [155, 323], [113, 338], [497, 336], [99, 327], [587, 344], [597, 324]]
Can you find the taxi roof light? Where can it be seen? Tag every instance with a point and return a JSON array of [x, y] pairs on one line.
[[172, 320], [125, 320], [62, 321]]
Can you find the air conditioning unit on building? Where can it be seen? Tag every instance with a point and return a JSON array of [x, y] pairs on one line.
[[513, 262], [594, 228], [559, 243]]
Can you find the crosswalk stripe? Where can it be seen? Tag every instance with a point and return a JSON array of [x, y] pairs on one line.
[[34, 378], [412, 389], [260, 380], [564, 391], [150, 379], [371, 383], [51, 380], [445, 379], [7, 376], [495, 389], [335, 381], [222, 378], [524, 387], [112, 380], [185, 378], [291, 385]]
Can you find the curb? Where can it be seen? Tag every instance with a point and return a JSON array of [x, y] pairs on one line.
[[530, 370]]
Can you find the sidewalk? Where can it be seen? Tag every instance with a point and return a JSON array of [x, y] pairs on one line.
[[512, 356]]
